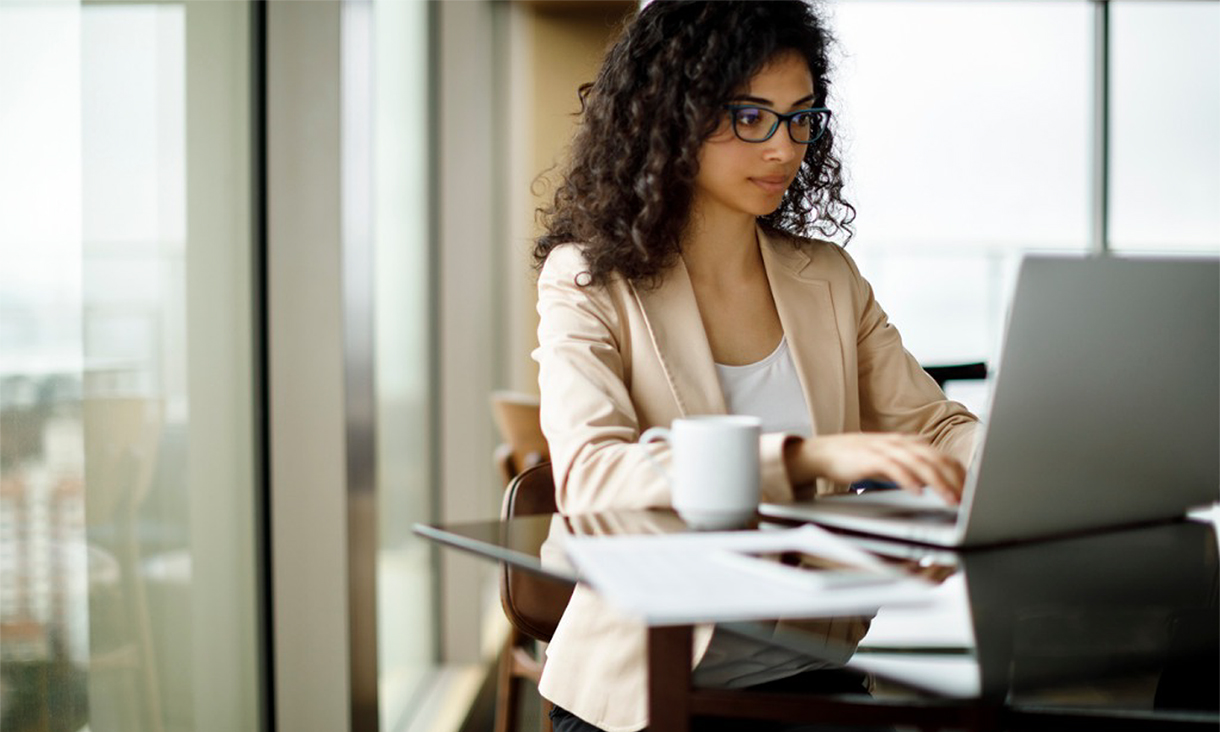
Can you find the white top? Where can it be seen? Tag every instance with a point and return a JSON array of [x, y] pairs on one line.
[[771, 391]]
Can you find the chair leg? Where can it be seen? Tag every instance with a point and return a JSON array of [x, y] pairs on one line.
[[507, 688]]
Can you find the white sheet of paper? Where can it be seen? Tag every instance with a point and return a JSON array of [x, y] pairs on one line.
[[943, 622], [949, 675], [670, 579]]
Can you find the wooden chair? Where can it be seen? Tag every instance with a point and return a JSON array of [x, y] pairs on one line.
[[121, 436], [516, 415], [957, 372], [532, 604]]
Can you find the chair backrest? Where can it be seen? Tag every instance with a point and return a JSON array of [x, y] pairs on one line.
[[121, 436], [957, 372], [517, 416], [533, 603]]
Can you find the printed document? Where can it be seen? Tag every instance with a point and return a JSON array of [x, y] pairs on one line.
[[806, 572]]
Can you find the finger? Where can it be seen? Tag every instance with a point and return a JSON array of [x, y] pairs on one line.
[[944, 485], [892, 456], [943, 476], [952, 498], [938, 470], [931, 480], [893, 468], [934, 467]]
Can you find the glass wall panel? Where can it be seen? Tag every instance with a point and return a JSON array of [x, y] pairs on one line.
[[127, 403], [46, 567], [403, 317], [964, 129], [1165, 126]]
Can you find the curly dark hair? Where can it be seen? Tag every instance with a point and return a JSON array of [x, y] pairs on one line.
[[626, 192]]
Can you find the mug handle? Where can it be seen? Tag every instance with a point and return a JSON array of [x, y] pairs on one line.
[[653, 434]]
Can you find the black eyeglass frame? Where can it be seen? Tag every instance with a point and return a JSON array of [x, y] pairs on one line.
[[781, 119]]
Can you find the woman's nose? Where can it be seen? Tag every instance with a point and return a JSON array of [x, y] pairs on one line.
[[781, 148]]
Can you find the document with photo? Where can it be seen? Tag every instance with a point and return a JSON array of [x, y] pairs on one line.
[[805, 572]]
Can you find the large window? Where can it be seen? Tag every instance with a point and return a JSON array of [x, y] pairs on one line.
[[964, 148], [968, 134], [127, 467], [1165, 120], [403, 317]]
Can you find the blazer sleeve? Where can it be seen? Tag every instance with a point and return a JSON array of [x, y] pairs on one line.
[[896, 394], [587, 414]]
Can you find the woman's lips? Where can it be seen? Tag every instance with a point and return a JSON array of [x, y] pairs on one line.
[[772, 183]]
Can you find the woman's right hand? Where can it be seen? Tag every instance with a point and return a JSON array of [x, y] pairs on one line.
[[908, 460]]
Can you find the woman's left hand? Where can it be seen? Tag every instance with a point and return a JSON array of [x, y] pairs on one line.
[[907, 460]]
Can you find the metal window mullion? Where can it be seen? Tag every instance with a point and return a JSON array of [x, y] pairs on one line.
[[1100, 174], [360, 407], [261, 352]]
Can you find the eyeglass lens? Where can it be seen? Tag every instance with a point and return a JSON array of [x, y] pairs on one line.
[[758, 124]]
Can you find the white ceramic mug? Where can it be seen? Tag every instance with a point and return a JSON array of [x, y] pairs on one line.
[[715, 470]]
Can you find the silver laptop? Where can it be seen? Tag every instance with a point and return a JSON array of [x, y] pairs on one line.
[[1105, 411]]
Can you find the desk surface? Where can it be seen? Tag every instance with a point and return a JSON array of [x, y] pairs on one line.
[[1123, 623]]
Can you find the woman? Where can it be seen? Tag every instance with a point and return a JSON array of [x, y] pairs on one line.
[[676, 279]]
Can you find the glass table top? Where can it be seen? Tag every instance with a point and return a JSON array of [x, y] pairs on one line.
[[1125, 621]]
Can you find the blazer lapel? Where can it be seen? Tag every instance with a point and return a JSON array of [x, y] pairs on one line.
[[677, 334], [806, 313]]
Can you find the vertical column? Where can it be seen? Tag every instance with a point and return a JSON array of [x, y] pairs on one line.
[[1100, 205], [220, 465], [305, 328], [465, 300], [360, 381]]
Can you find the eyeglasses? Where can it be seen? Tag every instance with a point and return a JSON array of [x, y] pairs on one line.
[[753, 123]]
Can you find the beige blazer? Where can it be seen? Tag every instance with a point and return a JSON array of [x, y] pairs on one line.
[[615, 360]]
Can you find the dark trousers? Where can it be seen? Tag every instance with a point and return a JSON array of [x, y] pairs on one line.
[[811, 682]]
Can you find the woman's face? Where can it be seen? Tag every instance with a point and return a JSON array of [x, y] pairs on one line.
[[749, 178]]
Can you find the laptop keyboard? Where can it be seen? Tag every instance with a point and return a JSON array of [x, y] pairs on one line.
[[923, 516], [898, 505]]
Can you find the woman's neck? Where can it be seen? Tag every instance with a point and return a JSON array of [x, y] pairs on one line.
[[721, 248]]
